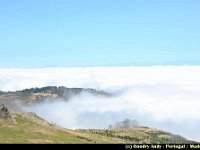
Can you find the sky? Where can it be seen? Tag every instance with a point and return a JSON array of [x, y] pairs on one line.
[[63, 33], [59, 43]]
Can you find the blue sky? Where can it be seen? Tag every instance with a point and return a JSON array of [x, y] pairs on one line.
[[60, 33]]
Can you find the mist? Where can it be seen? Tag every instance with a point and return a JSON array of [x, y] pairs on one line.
[[165, 98]]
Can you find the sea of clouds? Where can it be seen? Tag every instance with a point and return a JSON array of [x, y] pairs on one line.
[[163, 97]]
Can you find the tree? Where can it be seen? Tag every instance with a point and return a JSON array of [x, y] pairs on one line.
[[110, 127], [125, 124]]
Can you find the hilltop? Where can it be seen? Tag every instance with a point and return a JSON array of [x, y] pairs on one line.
[[37, 95]]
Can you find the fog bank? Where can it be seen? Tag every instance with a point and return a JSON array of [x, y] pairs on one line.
[[166, 98]]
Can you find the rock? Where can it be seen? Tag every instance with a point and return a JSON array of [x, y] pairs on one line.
[[5, 113]]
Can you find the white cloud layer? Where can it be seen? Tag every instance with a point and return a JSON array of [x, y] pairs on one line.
[[187, 77], [163, 97]]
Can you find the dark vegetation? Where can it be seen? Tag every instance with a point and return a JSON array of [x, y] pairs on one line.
[[61, 91]]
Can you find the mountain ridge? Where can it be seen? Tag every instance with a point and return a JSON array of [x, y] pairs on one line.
[[37, 95]]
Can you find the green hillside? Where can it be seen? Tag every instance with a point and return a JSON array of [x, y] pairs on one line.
[[29, 128]]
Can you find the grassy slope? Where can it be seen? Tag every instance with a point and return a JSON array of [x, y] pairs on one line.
[[31, 129], [26, 130]]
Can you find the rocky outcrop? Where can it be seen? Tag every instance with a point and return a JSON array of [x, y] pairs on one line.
[[5, 113]]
